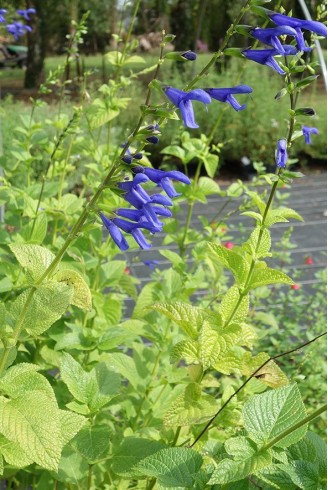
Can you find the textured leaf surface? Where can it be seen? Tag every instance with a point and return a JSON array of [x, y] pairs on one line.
[[282, 214], [48, 304], [188, 317], [13, 453], [72, 467], [229, 303], [32, 257], [274, 476], [303, 474], [172, 467], [233, 261], [262, 249], [81, 295], [188, 350], [32, 421], [270, 374], [22, 378], [192, 407], [92, 442], [131, 451], [265, 276], [271, 413], [248, 460], [70, 424]]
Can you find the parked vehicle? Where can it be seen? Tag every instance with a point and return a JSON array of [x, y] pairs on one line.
[[12, 56]]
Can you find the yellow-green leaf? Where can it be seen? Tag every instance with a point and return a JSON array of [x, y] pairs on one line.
[[82, 294]]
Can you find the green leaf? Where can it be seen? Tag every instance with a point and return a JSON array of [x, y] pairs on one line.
[[248, 460], [271, 413], [34, 258], [263, 276], [72, 467], [175, 151], [146, 298], [186, 350], [258, 218], [130, 453], [95, 388], [173, 257], [208, 186], [92, 442], [270, 374], [13, 453], [81, 295], [229, 307], [188, 317], [132, 60], [281, 215], [192, 407], [39, 229], [48, 304], [32, 421], [211, 163], [303, 474], [172, 467], [232, 260], [23, 378], [70, 424], [263, 248]]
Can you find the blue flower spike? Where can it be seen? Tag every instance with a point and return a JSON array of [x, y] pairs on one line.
[[271, 36], [2, 12], [115, 233], [307, 131], [162, 178], [282, 156], [182, 100], [26, 13], [226, 95], [17, 29]]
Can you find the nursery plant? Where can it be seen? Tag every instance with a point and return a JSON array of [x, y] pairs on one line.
[[180, 392]]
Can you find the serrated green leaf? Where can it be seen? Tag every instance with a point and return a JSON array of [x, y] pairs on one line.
[[70, 424], [321, 451], [303, 474], [248, 460], [192, 407], [232, 260], [72, 467], [303, 450], [146, 298], [126, 366], [211, 163], [175, 151], [186, 350], [274, 476], [258, 218], [13, 453], [173, 467], [232, 361], [265, 276], [32, 257], [281, 215], [48, 304], [95, 388], [82, 294], [32, 421], [92, 442], [100, 112], [188, 317], [130, 453], [270, 374], [271, 413], [173, 257], [262, 248], [232, 308], [208, 186], [36, 231], [23, 378]]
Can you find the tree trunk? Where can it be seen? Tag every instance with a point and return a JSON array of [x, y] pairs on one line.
[[36, 47]]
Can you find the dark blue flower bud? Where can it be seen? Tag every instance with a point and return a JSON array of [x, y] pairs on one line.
[[153, 140], [137, 156], [127, 159], [189, 55]]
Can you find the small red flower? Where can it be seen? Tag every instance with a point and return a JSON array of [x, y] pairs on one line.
[[127, 271], [309, 261], [295, 287], [229, 245]]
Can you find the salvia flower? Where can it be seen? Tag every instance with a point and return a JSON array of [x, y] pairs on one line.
[[182, 100], [162, 178], [152, 139], [271, 36], [151, 263], [26, 13], [17, 29], [2, 12], [307, 131], [115, 233], [282, 156], [225, 95], [266, 56], [189, 55], [307, 25]]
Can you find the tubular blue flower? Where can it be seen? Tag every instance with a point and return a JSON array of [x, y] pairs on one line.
[[271, 36], [115, 233], [151, 263], [225, 95], [134, 229], [189, 55], [162, 178], [308, 25], [2, 12], [137, 156], [26, 13], [266, 56], [17, 29], [182, 100], [152, 139], [281, 156], [307, 131]]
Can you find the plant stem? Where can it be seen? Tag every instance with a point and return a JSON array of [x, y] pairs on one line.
[[209, 423], [294, 427], [191, 205]]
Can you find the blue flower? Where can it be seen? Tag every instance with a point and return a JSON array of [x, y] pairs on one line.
[[115, 233], [151, 263], [26, 13], [134, 229], [225, 95], [2, 12], [189, 55], [17, 29], [182, 100], [307, 131], [152, 139], [162, 178], [266, 56], [281, 156], [271, 36]]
